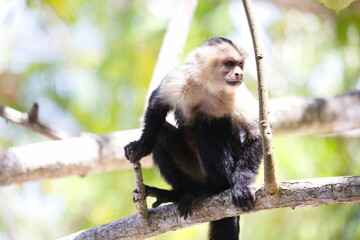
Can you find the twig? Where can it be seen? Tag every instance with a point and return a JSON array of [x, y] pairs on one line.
[[307, 192], [31, 120], [266, 134], [139, 194]]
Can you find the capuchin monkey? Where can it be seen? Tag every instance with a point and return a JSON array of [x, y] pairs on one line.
[[216, 144]]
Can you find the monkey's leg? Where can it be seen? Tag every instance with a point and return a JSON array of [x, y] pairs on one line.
[[178, 166], [161, 195]]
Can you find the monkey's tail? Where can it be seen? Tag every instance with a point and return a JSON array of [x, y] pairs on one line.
[[227, 228]]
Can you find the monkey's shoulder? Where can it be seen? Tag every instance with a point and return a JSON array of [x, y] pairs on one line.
[[172, 86]]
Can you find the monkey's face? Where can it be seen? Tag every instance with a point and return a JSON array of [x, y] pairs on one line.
[[233, 71], [228, 70], [219, 67]]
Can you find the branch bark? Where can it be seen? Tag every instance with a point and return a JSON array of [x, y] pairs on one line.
[[31, 120], [91, 153], [75, 156], [140, 194], [330, 115], [308, 192], [265, 129]]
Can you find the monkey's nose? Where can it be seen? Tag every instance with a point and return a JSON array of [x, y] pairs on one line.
[[238, 76]]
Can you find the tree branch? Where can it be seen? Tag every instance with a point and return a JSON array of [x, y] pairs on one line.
[[308, 192], [91, 153], [330, 115], [31, 120], [140, 194], [74, 156], [265, 129]]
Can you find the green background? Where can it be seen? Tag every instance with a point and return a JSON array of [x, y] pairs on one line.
[[88, 64]]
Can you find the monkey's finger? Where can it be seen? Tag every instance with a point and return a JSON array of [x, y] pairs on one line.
[[127, 152], [183, 215], [246, 204], [156, 203], [186, 214], [135, 158], [185, 210], [129, 149], [236, 201]]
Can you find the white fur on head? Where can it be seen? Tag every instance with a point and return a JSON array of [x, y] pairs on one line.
[[198, 86], [207, 61]]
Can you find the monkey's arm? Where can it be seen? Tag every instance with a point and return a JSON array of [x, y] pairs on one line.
[[155, 116], [245, 171]]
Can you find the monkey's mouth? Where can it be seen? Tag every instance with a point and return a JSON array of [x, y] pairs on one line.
[[233, 83]]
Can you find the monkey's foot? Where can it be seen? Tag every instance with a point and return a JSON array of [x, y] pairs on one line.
[[185, 205], [137, 196], [161, 195]]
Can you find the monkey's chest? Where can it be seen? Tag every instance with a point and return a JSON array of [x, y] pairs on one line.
[[212, 107]]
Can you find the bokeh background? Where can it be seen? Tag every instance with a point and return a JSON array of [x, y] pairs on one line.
[[88, 65]]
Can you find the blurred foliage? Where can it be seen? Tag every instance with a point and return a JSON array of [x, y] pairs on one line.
[[336, 5], [88, 65]]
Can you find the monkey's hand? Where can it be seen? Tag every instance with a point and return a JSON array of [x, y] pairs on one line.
[[242, 197], [134, 151]]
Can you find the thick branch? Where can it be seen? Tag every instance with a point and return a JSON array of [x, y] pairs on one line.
[[31, 120], [75, 156], [265, 129], [309, 192], [297, 115], [87, 154]]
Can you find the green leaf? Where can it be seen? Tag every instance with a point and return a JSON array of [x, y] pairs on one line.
[[336, 5]]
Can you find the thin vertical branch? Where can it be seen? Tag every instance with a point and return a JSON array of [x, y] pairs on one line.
[[140, 194], [266, 134]]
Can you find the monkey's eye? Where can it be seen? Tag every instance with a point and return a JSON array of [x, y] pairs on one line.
[[230, 64], [241, 65]]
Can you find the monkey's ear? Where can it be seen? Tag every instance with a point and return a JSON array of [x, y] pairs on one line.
[[194, 57], [243, 53]]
